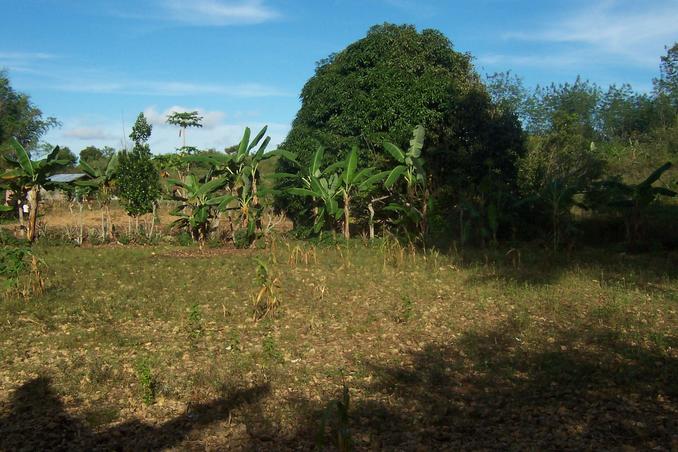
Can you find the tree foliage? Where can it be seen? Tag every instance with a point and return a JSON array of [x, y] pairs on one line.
[[185, 119], [20, 118], [667, 84], [138, 178], [27, 176], [378, 89]]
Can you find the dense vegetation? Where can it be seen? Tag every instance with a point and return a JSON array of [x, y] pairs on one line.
[[378, 89], [489, 160], [500, 162]]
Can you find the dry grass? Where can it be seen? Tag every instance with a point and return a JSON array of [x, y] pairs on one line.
[[438, 352], [59, 218]]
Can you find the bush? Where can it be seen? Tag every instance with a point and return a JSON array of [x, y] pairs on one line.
[[243, 238], [138, 183], [184, 238]]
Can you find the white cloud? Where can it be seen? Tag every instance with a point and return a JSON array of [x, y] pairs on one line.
[[24, 61], [26, 56], [88, 134], [218, 12], [210, 119], [220, 130], [539, 61], [168, 88], [632, 32], [86, 80], [166, 139]]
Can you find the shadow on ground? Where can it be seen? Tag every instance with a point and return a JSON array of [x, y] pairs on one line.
[[539, 267], [587, 389], [584, 388], [36, 420]]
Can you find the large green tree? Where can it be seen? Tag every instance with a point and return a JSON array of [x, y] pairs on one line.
[[97, 157], [378, 89], [20, 118]]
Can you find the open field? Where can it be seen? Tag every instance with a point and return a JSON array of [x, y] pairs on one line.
[[60, 221], [407, 242], [156, 347]]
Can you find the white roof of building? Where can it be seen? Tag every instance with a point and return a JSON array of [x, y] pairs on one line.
[[66, 177]]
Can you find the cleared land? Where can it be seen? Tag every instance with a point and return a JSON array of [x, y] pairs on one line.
[[472, 351]]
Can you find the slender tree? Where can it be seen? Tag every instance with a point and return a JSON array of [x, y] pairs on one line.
[[184, 120], [138, 178]]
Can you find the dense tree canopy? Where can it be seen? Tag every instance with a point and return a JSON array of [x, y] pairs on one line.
[[20, 118], [97, 157], [379, 88]]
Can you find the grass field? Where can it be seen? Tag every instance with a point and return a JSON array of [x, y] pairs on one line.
[[156, 347]]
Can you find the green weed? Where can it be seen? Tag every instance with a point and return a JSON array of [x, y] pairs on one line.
[[146, 380], [195, 329], [271, 349]]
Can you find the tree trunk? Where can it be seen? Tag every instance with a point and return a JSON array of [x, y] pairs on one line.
[[347, 216], [370, 208], [109, 222], [33, 201], [255, 197], [81, 225], [103, 226], [424, 212], [554, 226], [150, 234], [255, 203], [22, 221], [462, 233]]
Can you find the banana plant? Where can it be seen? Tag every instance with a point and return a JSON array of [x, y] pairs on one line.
[[354, 182], [246, 172], [322, 187], [199, 203], [632, 200], [102, 183], [329, 185], [242, 169], [410, 167], [247, 177], [410, 164], [29, 176]]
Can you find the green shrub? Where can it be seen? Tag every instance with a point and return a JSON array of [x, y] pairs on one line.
[[184, 238], [243, 238], [147, 381], [195, 322], [13, 262], [271, 349]]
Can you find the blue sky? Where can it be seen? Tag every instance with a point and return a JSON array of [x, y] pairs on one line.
[[95, 64]]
